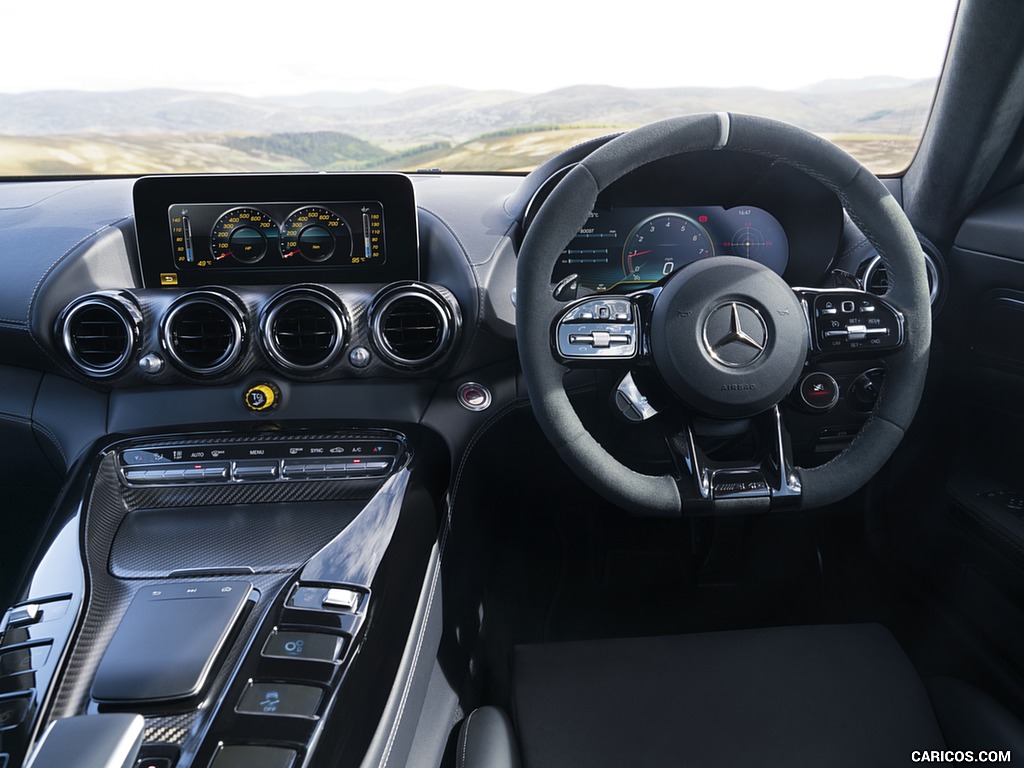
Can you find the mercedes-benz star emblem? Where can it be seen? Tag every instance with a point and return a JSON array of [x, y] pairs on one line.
[[735, 334]]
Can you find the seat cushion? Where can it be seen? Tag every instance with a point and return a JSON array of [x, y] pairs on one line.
[[791, 696]]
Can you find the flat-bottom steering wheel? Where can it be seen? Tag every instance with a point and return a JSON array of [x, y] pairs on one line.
[[727, 337]]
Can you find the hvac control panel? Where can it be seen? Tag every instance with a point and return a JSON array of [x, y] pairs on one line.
[[258, 461]]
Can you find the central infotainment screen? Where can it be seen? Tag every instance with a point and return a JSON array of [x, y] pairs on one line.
[[276, 229]]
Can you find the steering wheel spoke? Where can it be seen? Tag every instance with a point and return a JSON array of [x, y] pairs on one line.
[[712, 485], [849, 322], [607, 330]]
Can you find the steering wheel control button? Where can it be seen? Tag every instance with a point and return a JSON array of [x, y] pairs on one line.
[[474, 397], [280, 700], [310, 646], [601, 328], [245, 756], [858, 323], [735, 335], [262, 397], [344, 599], [819, 391]]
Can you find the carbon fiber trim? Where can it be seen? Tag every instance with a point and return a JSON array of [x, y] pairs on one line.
[[169, 730], [250, 493], [268, 538]]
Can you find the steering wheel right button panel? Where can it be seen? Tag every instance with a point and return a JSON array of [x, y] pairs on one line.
[[854, 321], [728, 337]]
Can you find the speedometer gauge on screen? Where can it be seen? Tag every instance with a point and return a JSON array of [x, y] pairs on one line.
[[626, 248]]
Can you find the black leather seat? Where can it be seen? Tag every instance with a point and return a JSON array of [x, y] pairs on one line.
[[793, 696]]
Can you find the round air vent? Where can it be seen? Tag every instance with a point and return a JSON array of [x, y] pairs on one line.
[[876, 280], [203, 332], [99, 333], [303, 329], [412, 324]]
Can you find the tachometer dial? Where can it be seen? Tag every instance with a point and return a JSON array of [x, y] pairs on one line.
[[316, 234], [242, 234], [661, 244]]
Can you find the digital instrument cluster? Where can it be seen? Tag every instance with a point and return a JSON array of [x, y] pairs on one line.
[[329, 228], [620, 249]]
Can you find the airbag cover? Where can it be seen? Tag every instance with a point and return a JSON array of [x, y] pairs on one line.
[[728, 336]]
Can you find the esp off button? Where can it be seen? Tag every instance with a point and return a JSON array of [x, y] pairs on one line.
[[262, 397], [819, 391]]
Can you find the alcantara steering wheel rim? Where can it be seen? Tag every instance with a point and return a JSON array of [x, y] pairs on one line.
[[867, 202]]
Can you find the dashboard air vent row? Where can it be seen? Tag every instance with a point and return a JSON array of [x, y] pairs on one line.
[[303, 329], [203, 333], [99, 333], [412, 324]]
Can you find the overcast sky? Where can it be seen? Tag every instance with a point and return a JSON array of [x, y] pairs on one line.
[[262, 49]]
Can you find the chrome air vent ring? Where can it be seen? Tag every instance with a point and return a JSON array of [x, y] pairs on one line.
[[203, 332], [876, 279], [100, 332], [412, 325], [303, 329]]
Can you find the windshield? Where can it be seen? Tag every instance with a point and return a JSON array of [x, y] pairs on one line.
[[311, 86]]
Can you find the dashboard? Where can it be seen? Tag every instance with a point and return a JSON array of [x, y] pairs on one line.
[[243, 354]]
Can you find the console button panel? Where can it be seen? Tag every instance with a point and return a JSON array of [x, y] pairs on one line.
[[258, 461]]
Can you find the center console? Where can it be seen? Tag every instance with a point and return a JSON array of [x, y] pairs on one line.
[[248, 594]]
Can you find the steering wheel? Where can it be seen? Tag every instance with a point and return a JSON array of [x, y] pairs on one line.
[[725, 336]]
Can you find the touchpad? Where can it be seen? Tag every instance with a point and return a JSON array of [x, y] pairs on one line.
[[168, 641]]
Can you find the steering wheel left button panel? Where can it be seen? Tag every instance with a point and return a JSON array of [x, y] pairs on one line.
[[597, 328]]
